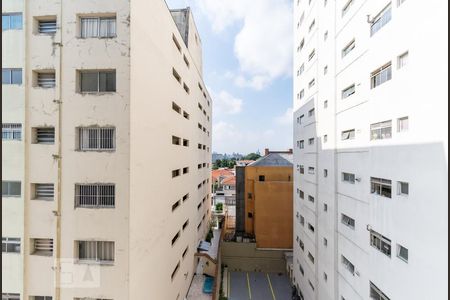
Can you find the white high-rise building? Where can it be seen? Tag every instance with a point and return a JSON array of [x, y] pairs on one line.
[[106, 140], [371, 149]]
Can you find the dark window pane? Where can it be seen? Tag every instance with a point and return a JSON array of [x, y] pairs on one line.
[[5, 22], [107, 81], [89, 82], [6, 76], [16, 21], [14, 188]]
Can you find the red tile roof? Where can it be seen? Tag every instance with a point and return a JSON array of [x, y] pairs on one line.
[[231, 180], [221, 173]]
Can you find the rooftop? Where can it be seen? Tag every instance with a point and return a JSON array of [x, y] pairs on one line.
[[275, 159]]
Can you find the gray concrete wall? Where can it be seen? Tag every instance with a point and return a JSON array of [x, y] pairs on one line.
[[246, 257], [240, 199]]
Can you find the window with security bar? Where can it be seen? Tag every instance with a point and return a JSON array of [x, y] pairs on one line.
[[382, 243], [96, 138], [46, 80], [11, 188], [97, 81], [11, 132], [381, 130], [44, 135], [98, 27], [380, 186], [376, 293], [347, 264], [47, 26], [381, 75], [10, 245], [42, 247], [95, 195], [44, 191], [381, 19], [10, 296], [95, 251]]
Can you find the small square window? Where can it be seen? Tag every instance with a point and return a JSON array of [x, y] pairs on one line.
[[403, 188], [325, 173], [325, 242], [402, 60], [402, 253], [402, 124], [325, 207]]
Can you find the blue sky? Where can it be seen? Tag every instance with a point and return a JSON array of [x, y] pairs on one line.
[[247, 68]]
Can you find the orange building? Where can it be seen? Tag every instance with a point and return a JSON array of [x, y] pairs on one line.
[[268, 200]]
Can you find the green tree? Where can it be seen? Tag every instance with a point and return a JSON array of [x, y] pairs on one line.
[[252, 156]]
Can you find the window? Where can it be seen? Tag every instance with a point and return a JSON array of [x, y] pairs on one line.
[[348, 48], [348, 265], [45, 135], [325, 35], [10, 245], [382, 243], [402, 124], [347, 221], [44, 191], [47, 26], [311, 285], [312, 83], [311, 198], [381, 75], [325, 242], [302, 68], [310, 227], [174, 272], [300, 119], [348, 177], [11, 21], [302, 220], [301, 244], [325, 277], [311, 112], [97, 81], [381, 19], [11, 76], [348, 134], [46, 79], [302, 17], [311, 26], [311, 258], [175, 238], [104, 27], [185, 143], [11, 132], [185, 224], [175, 41], [41, 298], [301, 269], [310, 170], [346, 7], [186, 61], [302, 94], [176, 108], [185, 115], [402, 253], [96, 138], [97, 195], [311, 141], [10, 296], [381, 130], [11, 188], [262, 178], [185, 170], [325, 104], [186, 88], [325, 138], [185, 251], [302, 43], [347, 92], [302, 194], [176, 205], [42, 247], [325, 207], [400, 2], [402, 188], [250, 215], [402, 60], [176, 140], [302, 169], [325, 173], [376, 293], [96, 251], [311, 55], [380, 186]]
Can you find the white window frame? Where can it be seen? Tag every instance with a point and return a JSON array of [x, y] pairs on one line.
[[402, 60], [402, 124], [348, 221], [381, 243], [104, 138], [348, 91], [348, 134], [399, 254], [111, 31], [379, 295], [348, 177], [348, 48], [95, 195], [8, 187], [98, 251], [381, 19], [377, 185], [98, 73], [11, 132], [399, 188], [381, 75], [381, 130], [11, 242], [348, 264]]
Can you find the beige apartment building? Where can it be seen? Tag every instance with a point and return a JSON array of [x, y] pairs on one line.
[[106, 139]]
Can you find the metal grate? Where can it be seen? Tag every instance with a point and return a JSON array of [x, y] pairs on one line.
[[45, 135], [43, 246], [10, 245], [96, 138], [45, 191], [48, 26], [95, 195], [46, 80]]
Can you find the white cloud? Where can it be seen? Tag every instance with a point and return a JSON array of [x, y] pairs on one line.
[[263, 45], [225, 103], [286, 118]]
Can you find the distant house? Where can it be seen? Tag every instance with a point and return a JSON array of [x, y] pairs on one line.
[[218, 176], [243, 163]]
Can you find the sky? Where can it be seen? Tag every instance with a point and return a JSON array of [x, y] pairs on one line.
[[247, 69]]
